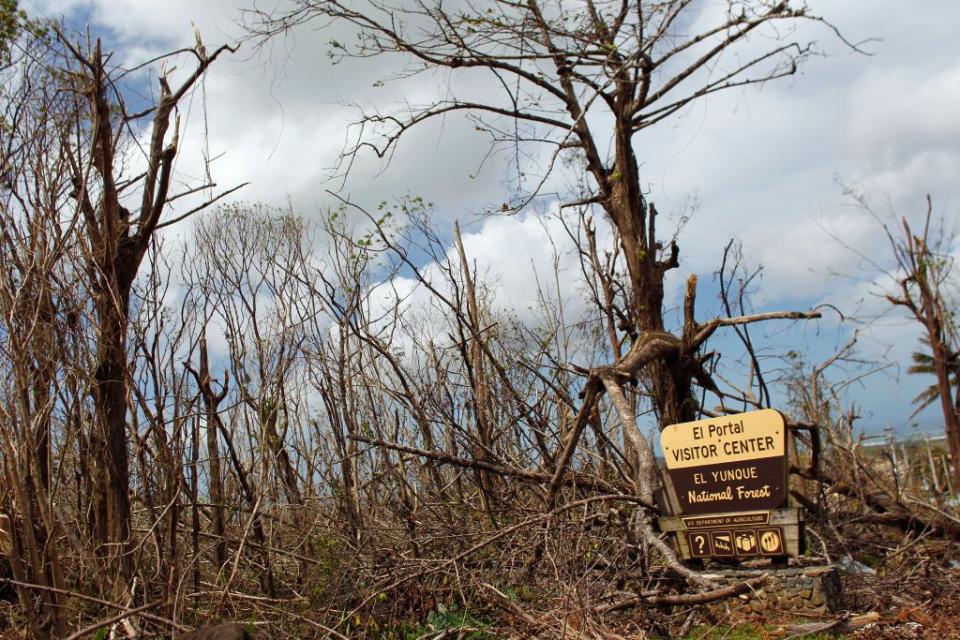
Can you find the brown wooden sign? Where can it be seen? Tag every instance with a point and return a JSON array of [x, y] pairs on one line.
[[737, 542], [734, 463], [774, 533], [747, 534]]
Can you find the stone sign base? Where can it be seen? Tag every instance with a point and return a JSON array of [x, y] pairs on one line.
[[796, 591]]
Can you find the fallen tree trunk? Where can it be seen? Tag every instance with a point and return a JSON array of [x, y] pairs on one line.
[[657, 599]]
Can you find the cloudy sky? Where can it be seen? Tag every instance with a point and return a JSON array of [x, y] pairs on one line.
[[768, 167]]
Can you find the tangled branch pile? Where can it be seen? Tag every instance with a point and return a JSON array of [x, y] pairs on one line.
[[333, 430]]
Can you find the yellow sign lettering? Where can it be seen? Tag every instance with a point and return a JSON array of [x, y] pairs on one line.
[[740, 438]]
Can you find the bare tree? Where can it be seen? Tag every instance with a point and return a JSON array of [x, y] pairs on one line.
[[924, 271], [116, 241], [165, 406], [43, 353], [211, 403], [573, 76], [72, 250]]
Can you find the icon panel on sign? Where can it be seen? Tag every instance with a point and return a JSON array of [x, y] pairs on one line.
[[722, 543], [746, 543], [699, 544], [771, 542]]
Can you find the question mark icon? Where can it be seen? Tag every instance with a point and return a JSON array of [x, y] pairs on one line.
[[701, 541]]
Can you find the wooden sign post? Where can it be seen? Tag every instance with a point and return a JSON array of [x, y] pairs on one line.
[[729, 475]]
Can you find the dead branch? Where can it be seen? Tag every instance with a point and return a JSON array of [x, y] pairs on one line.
[[659, 600]]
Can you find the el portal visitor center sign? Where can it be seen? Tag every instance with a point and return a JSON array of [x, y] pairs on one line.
[[729, 476], [734, 463]]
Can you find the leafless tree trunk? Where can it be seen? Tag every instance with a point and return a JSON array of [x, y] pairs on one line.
[[922, 275], [211, 401], [116, 241]]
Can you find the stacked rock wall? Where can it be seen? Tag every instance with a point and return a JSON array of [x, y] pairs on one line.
[[814, 591]]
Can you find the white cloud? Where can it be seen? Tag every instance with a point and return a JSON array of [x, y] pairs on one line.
[[515, 261]]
